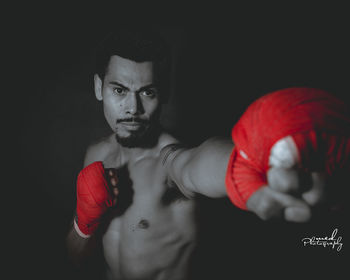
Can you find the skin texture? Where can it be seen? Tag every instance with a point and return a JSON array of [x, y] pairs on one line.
[[151, 225], [128, 90], [152, 235]]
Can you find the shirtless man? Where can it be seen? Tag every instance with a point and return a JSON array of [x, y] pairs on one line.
[[148, 230]]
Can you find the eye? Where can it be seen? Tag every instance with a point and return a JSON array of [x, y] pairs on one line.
[[149, 93], [119, 91]]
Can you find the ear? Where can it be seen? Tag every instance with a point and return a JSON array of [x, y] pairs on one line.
[[98, 87]]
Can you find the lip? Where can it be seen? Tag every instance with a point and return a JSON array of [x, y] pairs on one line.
[[131, 124]]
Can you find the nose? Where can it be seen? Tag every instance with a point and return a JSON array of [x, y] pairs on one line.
[[133, 106]]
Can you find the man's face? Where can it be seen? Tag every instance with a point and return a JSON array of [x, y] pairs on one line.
[[130, 99]]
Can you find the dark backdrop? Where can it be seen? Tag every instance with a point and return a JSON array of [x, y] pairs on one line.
[[223, 61]]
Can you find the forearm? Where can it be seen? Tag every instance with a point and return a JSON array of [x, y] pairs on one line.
[[203, 169], [79, 249], [95, 195]]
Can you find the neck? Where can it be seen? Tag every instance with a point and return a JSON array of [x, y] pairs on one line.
[[135, 153]]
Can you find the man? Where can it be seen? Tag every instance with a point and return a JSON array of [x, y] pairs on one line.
[[138, 187]]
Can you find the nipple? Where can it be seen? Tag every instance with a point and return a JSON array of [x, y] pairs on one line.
[[143, 224]]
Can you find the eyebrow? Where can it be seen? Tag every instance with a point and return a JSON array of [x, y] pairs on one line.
[[139, 90]]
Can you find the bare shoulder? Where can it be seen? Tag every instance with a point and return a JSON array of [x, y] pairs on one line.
[[166, 139], [100, 150]]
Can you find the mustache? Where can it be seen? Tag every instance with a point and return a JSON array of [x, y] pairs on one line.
[[135, 119]]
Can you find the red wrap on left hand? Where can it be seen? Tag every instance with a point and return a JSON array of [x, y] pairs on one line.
[[318, 122]]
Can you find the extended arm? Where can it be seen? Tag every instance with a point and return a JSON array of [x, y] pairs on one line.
[[318, 125], [202, 169]]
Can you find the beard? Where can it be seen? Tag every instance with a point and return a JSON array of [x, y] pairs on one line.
[[146, 137]]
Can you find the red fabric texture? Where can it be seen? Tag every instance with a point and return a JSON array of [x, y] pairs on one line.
[[93, 197], [318, 122]]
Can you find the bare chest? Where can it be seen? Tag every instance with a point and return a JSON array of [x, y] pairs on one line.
[[155, 230]]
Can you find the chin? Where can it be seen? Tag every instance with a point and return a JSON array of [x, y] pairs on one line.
[[139, 139]]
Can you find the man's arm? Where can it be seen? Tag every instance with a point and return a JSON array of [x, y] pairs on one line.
[[81, 247], [202, 169]]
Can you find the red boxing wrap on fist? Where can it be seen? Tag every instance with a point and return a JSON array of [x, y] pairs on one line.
[[93, 198], [318, 123]]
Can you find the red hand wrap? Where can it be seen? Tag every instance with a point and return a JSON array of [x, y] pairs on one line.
[[318, 122], [93, 198]]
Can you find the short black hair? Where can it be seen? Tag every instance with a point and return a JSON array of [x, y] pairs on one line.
[[138, 44]]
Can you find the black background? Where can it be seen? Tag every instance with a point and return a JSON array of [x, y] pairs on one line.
[[225, 58]]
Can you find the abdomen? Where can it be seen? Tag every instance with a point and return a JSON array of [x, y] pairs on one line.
[[151, 242]]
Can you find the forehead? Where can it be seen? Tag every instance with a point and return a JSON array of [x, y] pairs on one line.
[[130, 72]]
